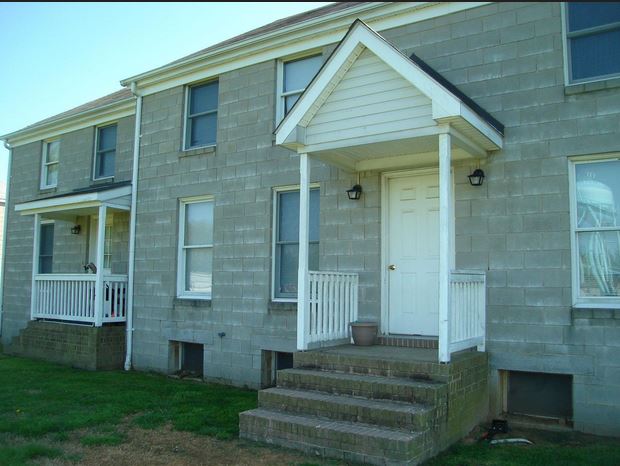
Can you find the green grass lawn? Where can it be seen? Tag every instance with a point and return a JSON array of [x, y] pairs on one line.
[[40, 399], [44, 406]]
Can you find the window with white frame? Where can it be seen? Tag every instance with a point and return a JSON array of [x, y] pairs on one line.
[[294, 77], [201, 115], [286, 240], [49, 164], [105, 152], [592, 40], [595, 220], [46, 247], [195, 248]]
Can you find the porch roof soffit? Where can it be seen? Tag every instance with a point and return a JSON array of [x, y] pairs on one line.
[[80, 202], [449, 104]]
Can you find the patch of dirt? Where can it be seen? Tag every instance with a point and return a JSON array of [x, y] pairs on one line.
[[169, 447]]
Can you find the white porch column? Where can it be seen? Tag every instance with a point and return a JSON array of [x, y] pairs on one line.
[[35, 265], [99, 291], [445, 245], [303, 292]]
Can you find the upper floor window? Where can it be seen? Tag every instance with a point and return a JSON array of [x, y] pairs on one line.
[[294, 77], [286, 240], [195, 248], [105, 153], [49, 164], [201, 115], [593, 40], [595, 212]]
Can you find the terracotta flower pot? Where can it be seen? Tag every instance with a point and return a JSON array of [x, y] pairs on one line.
[[364, 333]]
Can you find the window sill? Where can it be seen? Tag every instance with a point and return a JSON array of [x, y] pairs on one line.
[[287, 306], [592, 86], [100, 181], [48, 189], [192, 302], [198, 151]]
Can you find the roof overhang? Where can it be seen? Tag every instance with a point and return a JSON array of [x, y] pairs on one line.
[[448, 110], [74, 122], [118, 198], [292, 39]]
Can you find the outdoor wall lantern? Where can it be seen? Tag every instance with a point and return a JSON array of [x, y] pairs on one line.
[[476, 178], [355, 192], [75, 229]]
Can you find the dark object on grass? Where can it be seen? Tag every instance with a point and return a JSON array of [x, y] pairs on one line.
[[498, 426]]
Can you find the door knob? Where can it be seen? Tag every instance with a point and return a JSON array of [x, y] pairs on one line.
[[392, 267]]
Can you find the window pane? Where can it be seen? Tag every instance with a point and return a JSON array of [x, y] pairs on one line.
[[595, 55], [105, 164], [107, 138], [203, 130], [288, 221], [289, 101], [299, 73], [46, 241], [599, 263], [53, 149], [584, 15], [598, 194], [198, 223], [288, 261], [198, 271], [203, 98], [52, 175], [45, 264], [288, 264]]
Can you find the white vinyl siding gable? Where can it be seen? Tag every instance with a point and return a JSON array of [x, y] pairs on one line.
[[371, 99]]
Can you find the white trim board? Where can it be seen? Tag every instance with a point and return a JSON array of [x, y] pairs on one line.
[[77, 201], [300, 37]]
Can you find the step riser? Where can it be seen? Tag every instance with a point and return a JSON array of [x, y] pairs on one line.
[[434, 396], [343, 412], [408, 342], [321, 440], [381, 367]]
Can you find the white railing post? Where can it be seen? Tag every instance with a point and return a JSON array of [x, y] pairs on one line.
[[482, 313], [445, 198], [303, 295], [99, 291], [35, 266]]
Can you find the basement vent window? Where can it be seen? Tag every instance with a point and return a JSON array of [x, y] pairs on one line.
[[546, 396], [271, 362], [187, 359]]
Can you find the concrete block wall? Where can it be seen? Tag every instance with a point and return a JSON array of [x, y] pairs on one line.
[[70, 251], [240, 174], [508, 58]]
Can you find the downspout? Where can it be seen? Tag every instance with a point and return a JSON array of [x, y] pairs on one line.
[[4, 230], [132, 228]]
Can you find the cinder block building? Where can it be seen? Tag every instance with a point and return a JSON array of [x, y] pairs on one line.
[[449, 172]]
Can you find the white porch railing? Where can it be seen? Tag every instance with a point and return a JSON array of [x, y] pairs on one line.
[[467, 311], [72, 297], [332, 306]]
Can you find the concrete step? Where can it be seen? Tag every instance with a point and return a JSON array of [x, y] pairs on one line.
[[408, 342], [427, 392], [387, 361], [356, 442], [394, 414]]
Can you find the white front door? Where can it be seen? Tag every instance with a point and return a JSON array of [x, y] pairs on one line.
[[413, 255]]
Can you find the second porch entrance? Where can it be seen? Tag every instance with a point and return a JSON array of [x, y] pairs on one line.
[[413, 253]]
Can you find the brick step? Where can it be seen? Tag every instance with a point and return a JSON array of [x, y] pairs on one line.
[[394, 414], [418, 363], [357, 442], [368, 386], [408, 342]]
